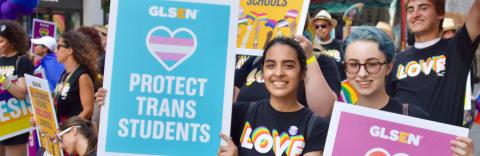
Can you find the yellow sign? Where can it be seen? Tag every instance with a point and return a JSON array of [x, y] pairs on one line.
[[262, 20], [44, 114]]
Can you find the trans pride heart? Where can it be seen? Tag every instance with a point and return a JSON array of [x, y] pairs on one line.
[[171, 48]]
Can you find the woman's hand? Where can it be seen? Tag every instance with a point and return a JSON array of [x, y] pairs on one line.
[[306, 45], [100, 96], [462, 146], [230, 149]]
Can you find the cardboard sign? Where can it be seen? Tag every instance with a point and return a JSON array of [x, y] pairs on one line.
[[169, 77], [261, 21], [44, 113], [356, 130]]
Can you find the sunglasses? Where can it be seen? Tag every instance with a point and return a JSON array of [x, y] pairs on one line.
[[59, 135], [323, 26], [61, 45]]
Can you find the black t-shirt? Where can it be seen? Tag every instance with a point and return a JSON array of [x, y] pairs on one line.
[[394, 106], [252, 87], [265, 124], [333, 49], [12, 68], [67, 95], [434, 78]]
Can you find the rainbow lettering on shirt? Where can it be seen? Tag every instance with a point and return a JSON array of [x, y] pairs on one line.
[[263, 141], [414, 68]]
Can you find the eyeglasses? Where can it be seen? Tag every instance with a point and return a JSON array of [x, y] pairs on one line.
[[371, 67], [323, 26], [59, 135], [61, 45]]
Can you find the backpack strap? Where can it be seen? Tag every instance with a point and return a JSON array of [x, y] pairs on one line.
[[311, 122], [405, 109]]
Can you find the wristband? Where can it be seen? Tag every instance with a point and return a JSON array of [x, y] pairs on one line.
[[2, 78], [311, 60]]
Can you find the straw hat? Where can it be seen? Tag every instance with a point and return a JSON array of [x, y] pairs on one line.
[[324, 15]]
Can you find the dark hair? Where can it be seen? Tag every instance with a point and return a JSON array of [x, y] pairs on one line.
[[291, 43], [87, 129], [439, 6], [16, 36], [94, 36], [83, 51], [369, 33]]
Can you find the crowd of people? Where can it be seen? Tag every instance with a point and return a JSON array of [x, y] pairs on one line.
[[291, 88]]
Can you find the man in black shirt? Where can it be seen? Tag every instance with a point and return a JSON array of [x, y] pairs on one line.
[[324, 42], [433, 73]]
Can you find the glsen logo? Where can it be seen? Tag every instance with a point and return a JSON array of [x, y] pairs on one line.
[[171, 48], [395, 135], [182, 13]]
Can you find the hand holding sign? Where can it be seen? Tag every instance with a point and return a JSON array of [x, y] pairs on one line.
[[462, 146]]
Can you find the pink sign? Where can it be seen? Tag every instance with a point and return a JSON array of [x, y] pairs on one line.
[[356, 130]]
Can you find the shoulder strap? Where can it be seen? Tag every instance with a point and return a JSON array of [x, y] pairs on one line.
[[251, 105], [311, 122], [405, 109], [17, 62]]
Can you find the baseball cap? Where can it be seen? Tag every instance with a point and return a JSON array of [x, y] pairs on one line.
[[47, 41]]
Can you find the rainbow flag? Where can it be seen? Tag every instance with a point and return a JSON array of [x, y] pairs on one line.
[[262, 17], [291, 14], [251, 16], [271, 23], [348, 94]]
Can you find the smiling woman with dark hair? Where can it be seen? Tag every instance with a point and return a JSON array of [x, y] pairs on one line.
[[284, 66]]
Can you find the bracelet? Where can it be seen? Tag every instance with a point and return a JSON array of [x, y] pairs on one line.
[[311, 60], [2, 78]]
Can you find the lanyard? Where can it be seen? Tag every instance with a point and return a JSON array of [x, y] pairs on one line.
[[58, 92]]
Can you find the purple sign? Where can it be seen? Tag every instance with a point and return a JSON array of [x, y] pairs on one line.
[[360, 131], [42, 28]]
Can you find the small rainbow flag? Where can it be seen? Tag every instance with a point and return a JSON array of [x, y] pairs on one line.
[[291, 14], [271, 23], [242, 21], [262, 17], [251, 16], [348, 94], [282, 23]]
